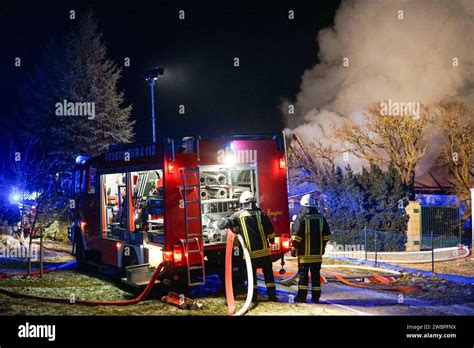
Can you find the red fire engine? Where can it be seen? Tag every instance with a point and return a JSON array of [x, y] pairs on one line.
[[135, 207]]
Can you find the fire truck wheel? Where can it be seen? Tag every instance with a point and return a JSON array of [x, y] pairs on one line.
[[80, 254]]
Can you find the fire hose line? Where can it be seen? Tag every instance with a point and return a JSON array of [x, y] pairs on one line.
[[375, 277], [404, 289], [55, 249], [136, 300], [293, 276], [36, 273], [229, 290]]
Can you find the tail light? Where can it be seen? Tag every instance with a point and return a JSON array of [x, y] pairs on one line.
[[168, 256], [177, 255], [282, 162], [285, 241], [171, 167]]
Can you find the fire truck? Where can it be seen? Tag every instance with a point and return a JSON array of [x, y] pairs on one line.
[[137, 206]]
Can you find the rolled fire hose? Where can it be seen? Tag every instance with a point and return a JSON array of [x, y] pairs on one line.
[[204, 194], [219, 193], [139, 298], [229, 290], [216, 178]]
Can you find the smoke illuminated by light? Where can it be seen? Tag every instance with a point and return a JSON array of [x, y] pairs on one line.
[[405, 56]]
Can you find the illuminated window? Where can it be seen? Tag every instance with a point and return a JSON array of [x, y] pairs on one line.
[[115, 199], [148, 205]]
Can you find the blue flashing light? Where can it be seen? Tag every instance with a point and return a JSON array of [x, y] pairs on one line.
[[81, 159], [14, 198]]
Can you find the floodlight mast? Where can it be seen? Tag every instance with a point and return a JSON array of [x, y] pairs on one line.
[[151, 77]]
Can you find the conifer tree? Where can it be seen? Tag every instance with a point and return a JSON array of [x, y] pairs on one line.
[[76, 69]]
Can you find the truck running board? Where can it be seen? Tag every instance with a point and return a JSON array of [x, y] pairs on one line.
[[139, 275]]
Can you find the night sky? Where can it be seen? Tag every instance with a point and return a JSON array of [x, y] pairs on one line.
[[197, 54]]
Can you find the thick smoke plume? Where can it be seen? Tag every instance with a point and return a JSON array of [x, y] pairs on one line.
[[407, 59]]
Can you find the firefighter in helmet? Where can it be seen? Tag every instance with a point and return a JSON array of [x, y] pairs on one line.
[[310, 233], [257, 229]]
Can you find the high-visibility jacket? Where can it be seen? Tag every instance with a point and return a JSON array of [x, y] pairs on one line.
[[310, 233], [256, 228]]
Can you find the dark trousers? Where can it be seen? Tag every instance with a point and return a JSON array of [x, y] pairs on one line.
[[303, 273], [265, 263]]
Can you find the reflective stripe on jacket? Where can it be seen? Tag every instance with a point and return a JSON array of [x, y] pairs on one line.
[[256, 228], [309, 235]]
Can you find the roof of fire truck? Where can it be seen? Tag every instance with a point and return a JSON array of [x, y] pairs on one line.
[[85, 160]]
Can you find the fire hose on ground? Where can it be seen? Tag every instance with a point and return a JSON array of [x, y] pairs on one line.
[[374, 277], [136, 300], [229, 290], [36, 273], [48, 270]]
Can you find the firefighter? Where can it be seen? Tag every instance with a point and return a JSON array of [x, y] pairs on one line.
[[257, 229], [310, 233]]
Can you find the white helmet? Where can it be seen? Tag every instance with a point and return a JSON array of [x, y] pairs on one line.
[[246, 197], [307, 201]]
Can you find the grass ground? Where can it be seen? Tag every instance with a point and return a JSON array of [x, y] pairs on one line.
[[96, 286], [84, 286]]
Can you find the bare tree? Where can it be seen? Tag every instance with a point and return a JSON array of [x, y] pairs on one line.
[[316, 159], [456, 120], [42, 199], [382, 139]]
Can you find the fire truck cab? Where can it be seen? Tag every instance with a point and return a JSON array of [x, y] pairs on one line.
[[136, 207]]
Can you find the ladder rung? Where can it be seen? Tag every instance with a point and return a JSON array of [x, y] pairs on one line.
[[193, 218], [194, 235], [194, 251], [190, 186], [198, 283], [193, 268], [192, 202]]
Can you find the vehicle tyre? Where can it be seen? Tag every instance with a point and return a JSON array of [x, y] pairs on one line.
[[80, 254]]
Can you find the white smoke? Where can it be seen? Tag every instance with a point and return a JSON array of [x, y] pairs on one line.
[[405, 60]]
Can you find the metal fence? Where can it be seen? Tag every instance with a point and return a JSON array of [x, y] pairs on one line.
[[440, 227], [434, 251]]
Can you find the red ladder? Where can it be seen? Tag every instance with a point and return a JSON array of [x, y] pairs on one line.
[[193, 245]]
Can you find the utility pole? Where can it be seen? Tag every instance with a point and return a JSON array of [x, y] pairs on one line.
[[153, 122]]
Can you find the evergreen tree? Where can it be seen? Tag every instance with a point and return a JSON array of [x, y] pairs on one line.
[[369, 199], [76, 69]]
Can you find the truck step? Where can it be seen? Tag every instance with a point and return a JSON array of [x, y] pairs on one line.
[[139, 274]]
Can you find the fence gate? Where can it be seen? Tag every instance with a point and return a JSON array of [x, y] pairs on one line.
[[445, 224]]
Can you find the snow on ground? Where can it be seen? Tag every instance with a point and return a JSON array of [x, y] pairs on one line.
[[438, 296]]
